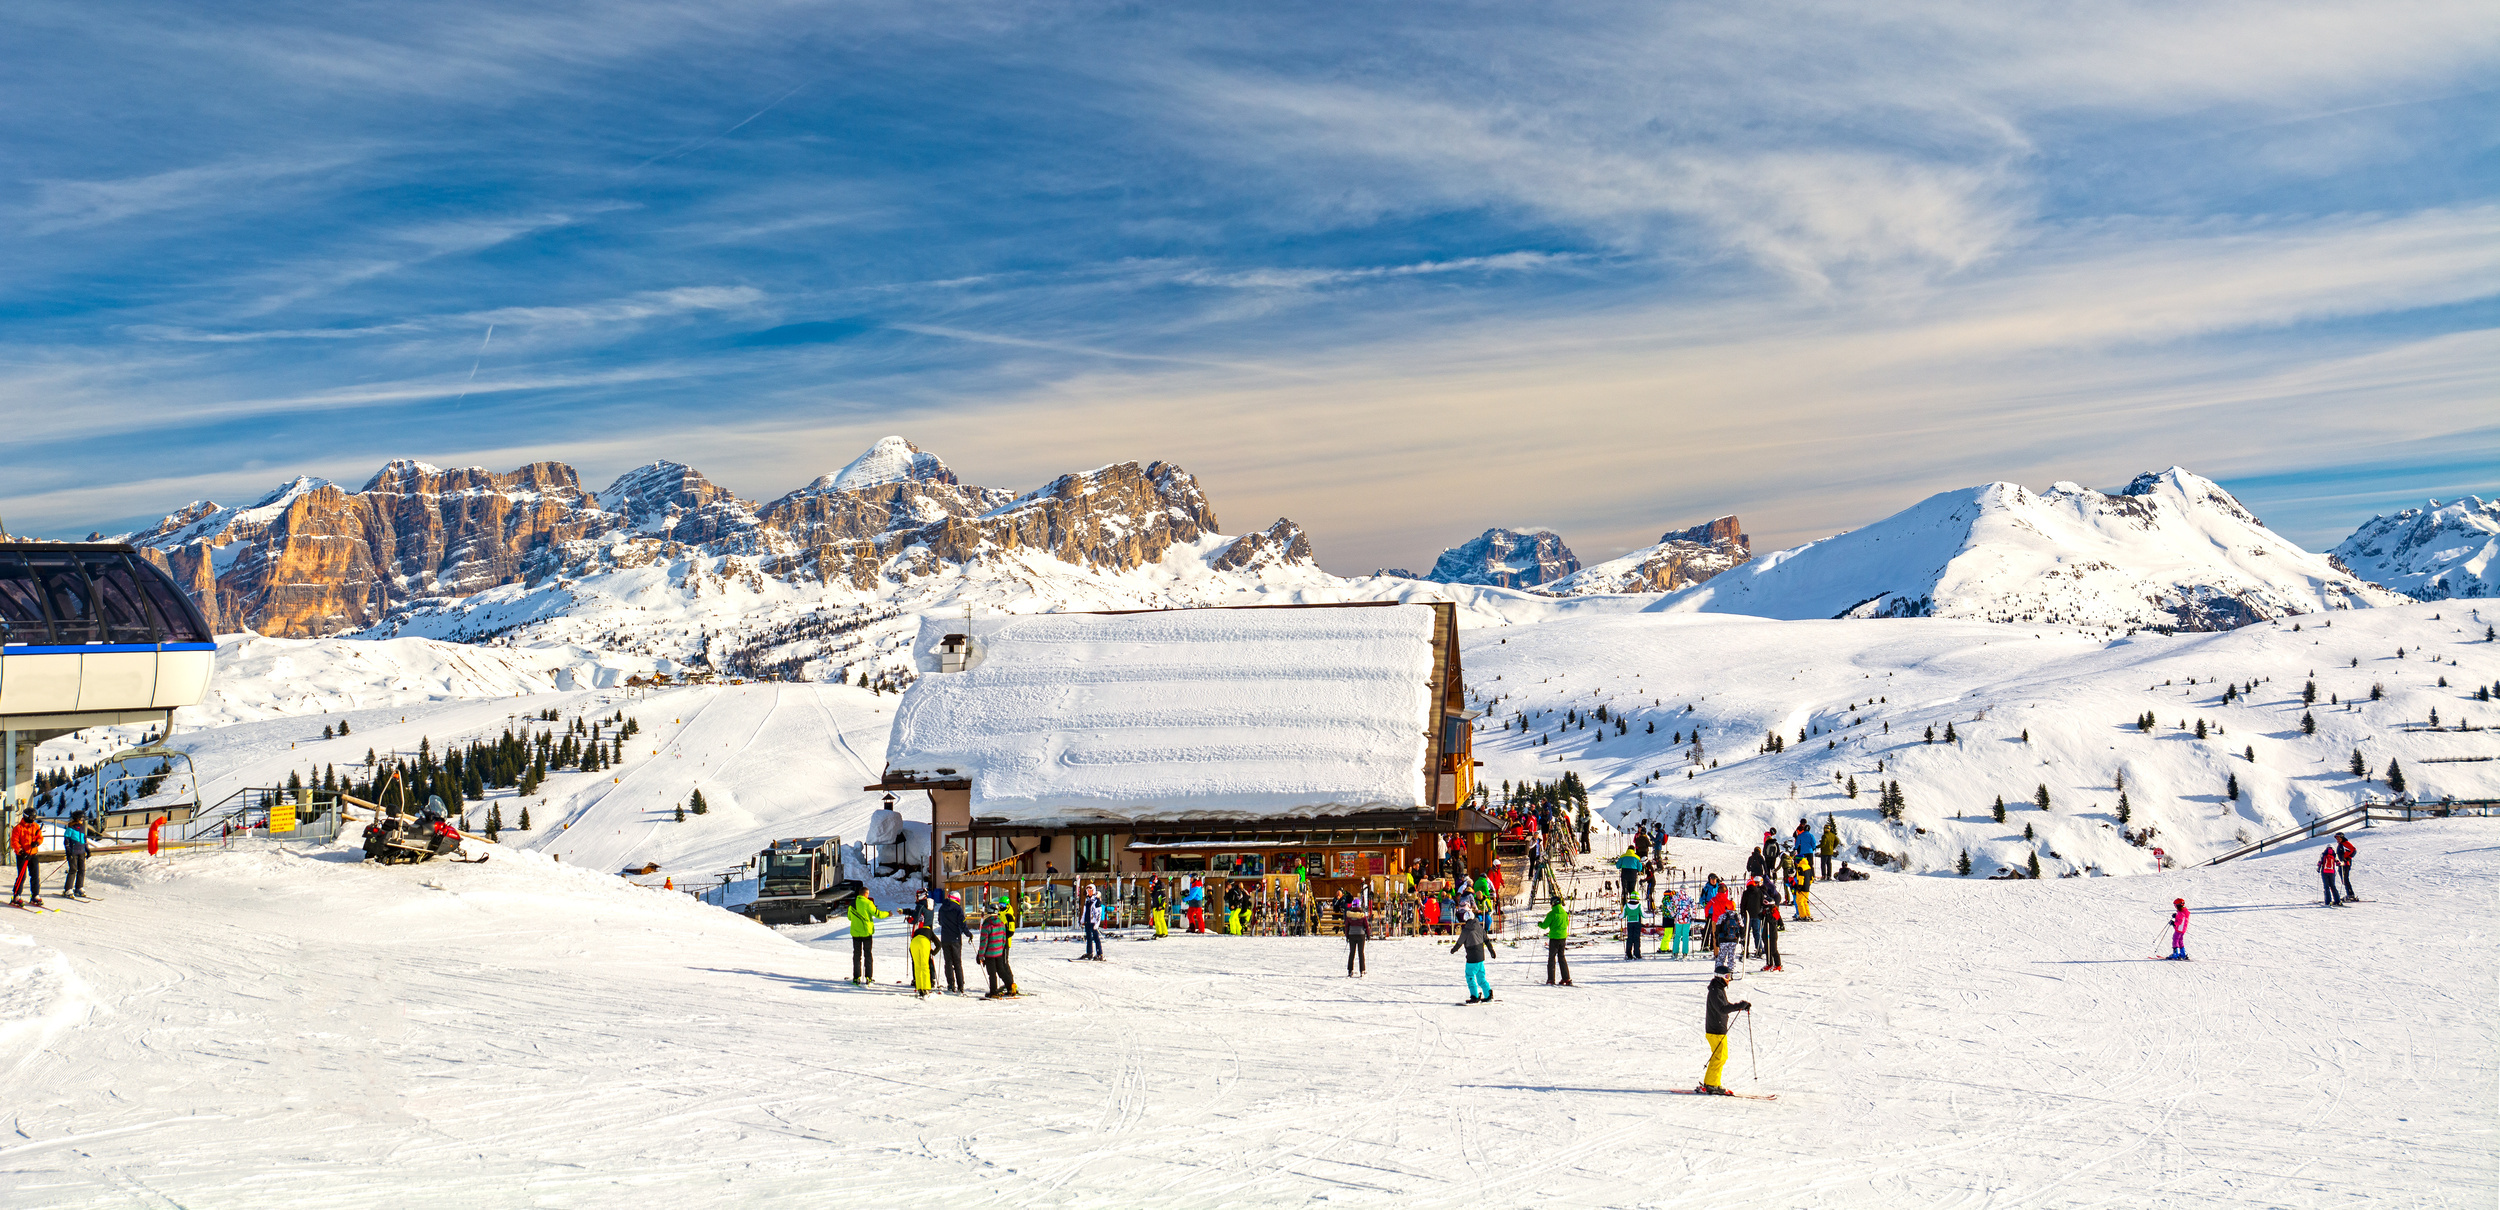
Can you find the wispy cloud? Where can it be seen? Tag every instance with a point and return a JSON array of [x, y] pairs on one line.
[[72, 205]]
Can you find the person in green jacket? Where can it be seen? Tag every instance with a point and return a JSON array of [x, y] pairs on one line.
[[1632, 928], [1557, 926], [1831, 845], [864, 918]]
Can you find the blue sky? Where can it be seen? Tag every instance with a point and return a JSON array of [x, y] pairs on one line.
[[1399, 272]]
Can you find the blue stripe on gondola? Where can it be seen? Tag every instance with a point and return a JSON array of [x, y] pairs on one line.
[[100, 648]]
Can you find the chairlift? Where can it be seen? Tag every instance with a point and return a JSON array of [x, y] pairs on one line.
[[116, 811]]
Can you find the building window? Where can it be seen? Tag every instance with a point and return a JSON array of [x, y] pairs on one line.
[[1093, 854]]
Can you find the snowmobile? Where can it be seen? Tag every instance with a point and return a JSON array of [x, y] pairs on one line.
[[397, 838], [801, 882]]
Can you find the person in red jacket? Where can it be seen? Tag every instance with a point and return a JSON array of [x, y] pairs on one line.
[[2343, 864], [2326, 873], [2178, 930], [24, 839]]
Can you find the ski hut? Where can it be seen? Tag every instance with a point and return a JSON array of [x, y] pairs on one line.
[[1220, 743]]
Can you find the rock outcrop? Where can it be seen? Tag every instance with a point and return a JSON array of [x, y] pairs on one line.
[[1680, 559]]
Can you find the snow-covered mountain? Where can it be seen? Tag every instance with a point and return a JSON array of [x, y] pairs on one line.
[[2172, 551], [1505, 558], [1681, 559], [2433, 553]]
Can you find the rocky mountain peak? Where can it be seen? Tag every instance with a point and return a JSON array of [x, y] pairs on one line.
[[890, 460], [1282, 544], [1506, 558], [2433, 553], [1681, 559]]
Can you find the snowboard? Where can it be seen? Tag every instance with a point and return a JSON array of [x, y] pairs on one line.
[[1742, 1096]]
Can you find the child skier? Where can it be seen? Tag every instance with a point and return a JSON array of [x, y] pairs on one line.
[[1479, 946], [2326, 873], [923, 949], [1679, 930], [1714, 1027], [1632, 929], [2178, 931], [1730, 934]]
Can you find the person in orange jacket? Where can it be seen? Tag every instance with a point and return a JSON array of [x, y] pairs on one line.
[[24, 839]]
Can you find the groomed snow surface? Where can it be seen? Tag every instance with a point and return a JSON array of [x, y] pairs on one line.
[[293, 1029]]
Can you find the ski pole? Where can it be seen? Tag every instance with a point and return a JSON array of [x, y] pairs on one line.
[[1749, 1046]]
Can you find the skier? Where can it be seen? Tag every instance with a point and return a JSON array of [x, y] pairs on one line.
[[2327, 866], [864, 918], [951, 934], [2178, 931], [1557, 927], [1803, 882], [1471, 935], [1714, 1027], [1630, 865], [1680, 924], [74, 857], [1159, 901], [1089, 913], [1358, 929], [1729, 934], [1195, 900], [1632, 929], [923, 947], [24, 839], [2343, 864], [993, 952], [1831, 845]]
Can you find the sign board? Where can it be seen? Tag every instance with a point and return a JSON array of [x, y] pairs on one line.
[[282, 816]]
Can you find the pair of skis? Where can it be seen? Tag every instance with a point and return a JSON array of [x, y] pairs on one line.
[[1746, 1096]]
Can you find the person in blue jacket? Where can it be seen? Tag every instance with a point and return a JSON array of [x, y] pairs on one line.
[[1630, 865], [74, 857]]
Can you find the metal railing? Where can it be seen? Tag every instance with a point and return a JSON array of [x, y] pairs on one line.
[[2365, 815]]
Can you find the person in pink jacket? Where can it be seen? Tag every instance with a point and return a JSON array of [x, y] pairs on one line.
[[2326, 874], [2178, 931]]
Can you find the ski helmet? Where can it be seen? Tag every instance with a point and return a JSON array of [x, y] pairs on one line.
[[2178, 903]]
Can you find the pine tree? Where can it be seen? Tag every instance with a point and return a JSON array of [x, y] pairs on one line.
[[2200, 728], [2250, 755], [697, 805], [2395, 776], [2040, 797], [525, 818], [2026, 735], [1964, 865], [494, 821], [2027, 831], [2035, 865], [2360, 767], [2308, 723], [342, 726], [2231, 787], [1853, 786], [1949, 736], [681, 812], [325, 731], [2125, 812], [1931, 733], [2000, 808]]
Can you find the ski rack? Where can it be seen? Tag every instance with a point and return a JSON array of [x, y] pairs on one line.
[[2367, 814]]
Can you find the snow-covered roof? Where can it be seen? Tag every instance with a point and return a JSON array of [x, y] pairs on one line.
[[1179, 714]]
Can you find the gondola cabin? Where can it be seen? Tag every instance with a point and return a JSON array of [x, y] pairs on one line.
[[1330, 741]]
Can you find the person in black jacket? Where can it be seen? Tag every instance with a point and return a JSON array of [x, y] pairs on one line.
[[1763, 915], [951, 933], [1714, 1027]]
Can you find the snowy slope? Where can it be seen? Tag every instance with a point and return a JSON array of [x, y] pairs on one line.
[[1864, 692], [291, 1030], [2173, 550], [259, 677], [2431, 554]]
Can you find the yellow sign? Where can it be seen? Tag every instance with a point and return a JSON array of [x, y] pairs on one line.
[[282, 816]]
